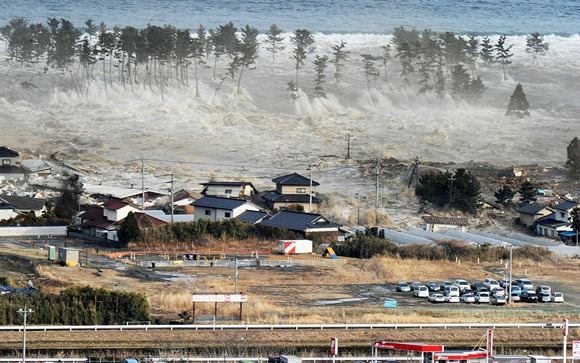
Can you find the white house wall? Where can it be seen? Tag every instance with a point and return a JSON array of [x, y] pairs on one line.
[[6, 214]]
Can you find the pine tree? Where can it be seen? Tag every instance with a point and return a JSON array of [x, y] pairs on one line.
[[320, 63], [370, 69], [504, 195], [129, 231], [274, 40], [440, 81], [486, 52], [339, 55], [503, 54], [475, 89], [459, 82], [575, 221], [454, 48], [573, 161], [406, 56], [528, 192], [198, 53], [248, 50], [386, 58], [536, 46], [518, 105], [472, 52], [303, 42]]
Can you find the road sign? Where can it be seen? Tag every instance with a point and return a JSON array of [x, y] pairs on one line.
[[576, 350], [489, 343], [334, 346], [565, 327], [234, 298]]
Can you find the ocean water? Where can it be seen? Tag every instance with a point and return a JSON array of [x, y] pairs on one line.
[[512, 17]]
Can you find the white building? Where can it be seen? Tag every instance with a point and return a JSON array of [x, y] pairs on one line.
[[559, 221], [12, 206], [229, 189], [10, 168], [218, 208], [115, 210]]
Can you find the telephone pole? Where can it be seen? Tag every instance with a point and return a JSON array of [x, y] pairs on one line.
[[358, 209], [24, 313], [172, 197], [142, 184], [378, 170], [348, 146], [310, 193]]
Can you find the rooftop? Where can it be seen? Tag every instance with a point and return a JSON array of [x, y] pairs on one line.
[[252, 216], [115, 204], [219, 202], [299, 221], [8, 153], [531, 209], [294, 179], [274, 196], [549, 221], [11, 169], [455, 221], [22, 203], [569, 204]]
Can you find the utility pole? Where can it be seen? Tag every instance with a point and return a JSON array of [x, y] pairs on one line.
[[236, 275], [310, 193], [172, 197], [358, 209], [378, 170], [24, 313], [511, 276], [347, 146], [142, 184]]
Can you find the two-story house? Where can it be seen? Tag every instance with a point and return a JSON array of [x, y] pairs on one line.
[[558, 221], [10, 168], [219, 208], [530, 213], [293, 191], [229, 189]]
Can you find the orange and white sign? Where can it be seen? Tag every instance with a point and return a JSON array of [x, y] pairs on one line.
[[220, 298], [334, 346], [576, 350]]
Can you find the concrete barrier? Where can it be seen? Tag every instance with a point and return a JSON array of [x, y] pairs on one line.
[[56, 231]]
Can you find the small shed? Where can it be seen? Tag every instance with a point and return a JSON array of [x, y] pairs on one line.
[[68, 256]]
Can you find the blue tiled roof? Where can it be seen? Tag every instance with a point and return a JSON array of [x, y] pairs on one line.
[[294, 179], [531, 208], [569, 204], [298, 221], [252, 216]]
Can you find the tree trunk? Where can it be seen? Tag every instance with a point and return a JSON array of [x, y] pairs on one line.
[[240, 78], [196, 78], [105, 72], [504, 73]]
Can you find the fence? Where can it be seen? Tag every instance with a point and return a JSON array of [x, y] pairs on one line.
[[50, 231]]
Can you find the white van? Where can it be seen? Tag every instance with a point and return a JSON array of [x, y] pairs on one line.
[[491, 283], [421, 291], [463, 285], [452, 290]]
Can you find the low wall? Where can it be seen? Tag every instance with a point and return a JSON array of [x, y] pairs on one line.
[[568, 251], [33, 231]]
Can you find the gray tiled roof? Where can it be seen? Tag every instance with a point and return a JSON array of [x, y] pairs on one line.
[[569, 204], [219, 203], [294, 179], [252, 216], [274, 196], [22, 203], [298, 221], [11, 169], [8, 153], [531, 209]]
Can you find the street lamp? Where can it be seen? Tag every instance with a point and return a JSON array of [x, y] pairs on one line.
[[24, 313]]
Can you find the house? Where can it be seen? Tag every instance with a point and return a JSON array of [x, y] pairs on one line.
[[219, 208], [161, 215], [10, 168], [253, 217], [229, 189], [183, 198], [93, 222], [304, 223], [12, 206], [530, 213], [557, 222], [438, 223], [102, 193], [115, 210], [293, 191]]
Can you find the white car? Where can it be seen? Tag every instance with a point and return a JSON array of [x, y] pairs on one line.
[[525, 284], [452, 291], [436, 298], [468, 298], [558, 297], [498, 300], [421, 291], [482, 298], [452, 299], [463, 285], [498, 292], [516, 297], [543, 289], [491, 283]]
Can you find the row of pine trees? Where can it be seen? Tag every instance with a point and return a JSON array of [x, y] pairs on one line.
[[157, 56]]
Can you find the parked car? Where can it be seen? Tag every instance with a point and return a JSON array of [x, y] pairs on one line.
[[463, 285], [545, 298], [529, 297], [403, 287], [498, 300], [515, 297], [482, 297], [498, 292], [543, 289], [415, 285], [436, 298], [468, 298], [421, 291], [558, 297], [480, 288], [452, 291], [452, 299], [432, 286], [444, 284], [504, 283], [525, 284], [516, 289], [491, 283]]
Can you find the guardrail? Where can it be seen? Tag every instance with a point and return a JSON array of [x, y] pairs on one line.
[[304, 359], [206, 327]]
